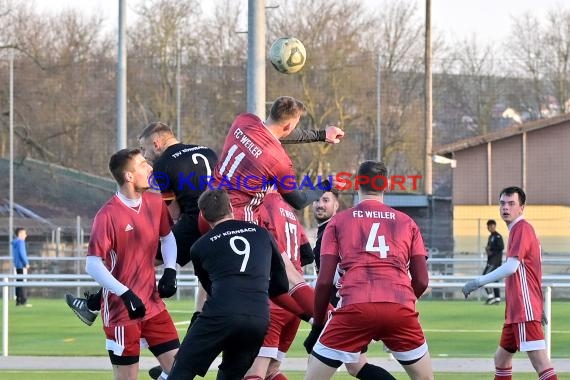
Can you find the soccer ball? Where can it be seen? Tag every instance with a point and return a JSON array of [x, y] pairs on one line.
[[287, 55]]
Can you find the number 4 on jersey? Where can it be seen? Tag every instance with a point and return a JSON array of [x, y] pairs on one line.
[[382, 248]]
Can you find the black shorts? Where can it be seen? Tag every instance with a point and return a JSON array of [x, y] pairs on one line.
[[238, 337], [186, 233]]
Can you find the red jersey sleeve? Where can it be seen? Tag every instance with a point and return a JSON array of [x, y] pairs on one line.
[[329, 244], [100, 242]]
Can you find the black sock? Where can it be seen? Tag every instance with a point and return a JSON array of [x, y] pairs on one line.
[[373, 372], [94, 300]]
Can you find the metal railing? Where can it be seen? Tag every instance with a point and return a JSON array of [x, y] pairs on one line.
[[188, 280]]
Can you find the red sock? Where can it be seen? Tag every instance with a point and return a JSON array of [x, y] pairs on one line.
[[276, 376], [304, 295], [503, 373], [548, 374]]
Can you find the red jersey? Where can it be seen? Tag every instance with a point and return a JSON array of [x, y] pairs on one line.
[[523, 289], [278, 217], [127, 240], [252, 160], [374, 243]]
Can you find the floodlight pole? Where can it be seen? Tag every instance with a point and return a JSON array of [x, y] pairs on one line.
[[378, 110], [428, 104], [178, 96], [256, 57], [122, 78], [5, 289]]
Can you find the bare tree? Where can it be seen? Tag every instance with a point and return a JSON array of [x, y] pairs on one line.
[[399, 42], [472, 89], [557, 66], [526, 49], [222, 42], [343, 39], [55, 85], [162, 29]]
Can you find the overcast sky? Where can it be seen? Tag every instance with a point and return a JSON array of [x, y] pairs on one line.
[[489, 20]]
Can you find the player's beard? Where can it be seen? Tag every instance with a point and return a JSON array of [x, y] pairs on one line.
[[321, 215]]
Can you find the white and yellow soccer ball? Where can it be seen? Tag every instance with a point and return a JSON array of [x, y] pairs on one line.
[[288, 55]]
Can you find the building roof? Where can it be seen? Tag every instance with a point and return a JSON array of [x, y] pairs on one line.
[[406, 200], [517, 129]]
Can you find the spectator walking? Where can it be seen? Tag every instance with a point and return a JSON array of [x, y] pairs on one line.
[[21, 263]]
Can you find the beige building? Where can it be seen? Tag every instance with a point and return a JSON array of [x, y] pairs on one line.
[[534, 156]]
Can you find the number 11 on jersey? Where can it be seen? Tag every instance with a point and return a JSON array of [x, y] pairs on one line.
[[373, 238]]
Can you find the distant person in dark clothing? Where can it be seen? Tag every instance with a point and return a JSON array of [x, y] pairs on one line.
[[494, 249]]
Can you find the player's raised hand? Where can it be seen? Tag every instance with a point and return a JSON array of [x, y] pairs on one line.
[[333, 134], [470, 286], [134, 305]]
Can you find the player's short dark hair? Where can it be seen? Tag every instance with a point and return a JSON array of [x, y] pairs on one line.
[[286, 107], [377, 174], [214, 205], [334, 192], [17, 230], [491, 222], [514, 190], [155, 127], [120, 161]]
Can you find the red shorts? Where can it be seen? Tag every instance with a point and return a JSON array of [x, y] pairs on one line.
[[127, 340], [283, 326], [523, 336], [352, 327]]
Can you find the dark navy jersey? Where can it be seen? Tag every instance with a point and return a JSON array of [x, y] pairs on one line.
[[184, 170], [239, 265]]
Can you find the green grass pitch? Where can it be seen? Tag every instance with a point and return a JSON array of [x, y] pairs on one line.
[[453, 328]]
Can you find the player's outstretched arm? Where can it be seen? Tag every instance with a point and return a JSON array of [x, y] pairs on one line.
[[95, 268], [300, 136], [167, 284], [505, 270], [300, 199], [330, 134]]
